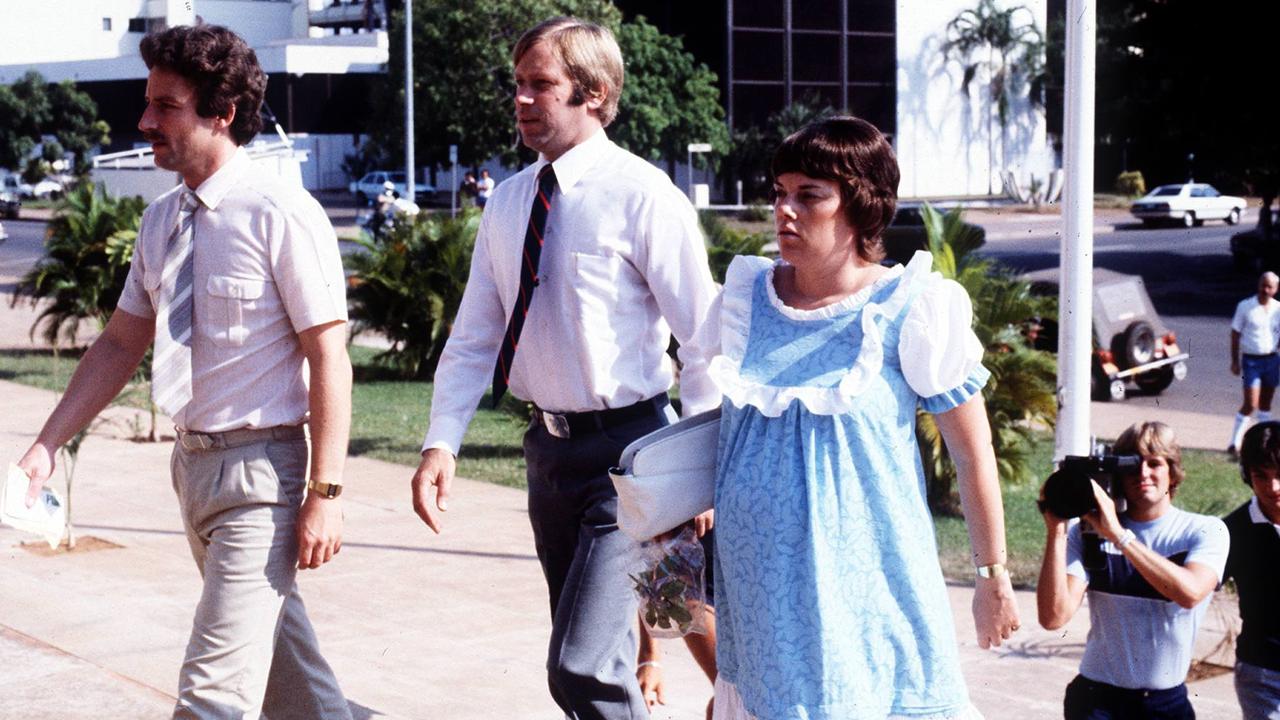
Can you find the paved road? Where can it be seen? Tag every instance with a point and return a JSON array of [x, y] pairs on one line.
[[1189, 276]]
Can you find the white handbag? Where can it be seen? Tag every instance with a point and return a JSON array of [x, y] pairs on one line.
[[668, 476]]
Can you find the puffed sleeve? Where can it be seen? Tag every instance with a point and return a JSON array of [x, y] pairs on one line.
[[941, 357]]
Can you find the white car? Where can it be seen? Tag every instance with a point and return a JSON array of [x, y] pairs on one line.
[[371, 186], [44, 189], [1187, 203]]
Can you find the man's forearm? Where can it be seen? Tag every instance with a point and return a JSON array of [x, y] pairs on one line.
[[330, 404], [101, 374]]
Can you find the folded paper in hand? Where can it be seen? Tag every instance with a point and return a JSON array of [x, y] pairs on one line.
[[47, 516], [668, 476]]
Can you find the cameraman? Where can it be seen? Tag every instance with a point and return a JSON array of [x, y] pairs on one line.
[[1255, 549], [1149, 585]]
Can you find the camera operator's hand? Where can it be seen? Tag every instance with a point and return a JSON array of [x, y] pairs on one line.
[[995, 610], [1051, 521], [1104, 520]]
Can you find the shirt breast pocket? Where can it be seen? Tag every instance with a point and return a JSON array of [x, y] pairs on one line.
[[232, 302]]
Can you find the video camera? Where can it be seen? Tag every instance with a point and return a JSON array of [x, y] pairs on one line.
[[1067, 492]]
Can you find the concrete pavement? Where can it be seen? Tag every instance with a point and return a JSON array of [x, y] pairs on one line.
[[416, 626]]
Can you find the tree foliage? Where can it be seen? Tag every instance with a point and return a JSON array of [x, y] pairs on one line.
[[408, 285], [1004, 47], [31, 109], [463, 76], [668, 100], [1020, 394], [88, 248]]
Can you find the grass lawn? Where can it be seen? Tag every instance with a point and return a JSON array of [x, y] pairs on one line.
[[390, 417]]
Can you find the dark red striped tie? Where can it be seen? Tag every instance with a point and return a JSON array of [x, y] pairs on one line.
[[528, 280]]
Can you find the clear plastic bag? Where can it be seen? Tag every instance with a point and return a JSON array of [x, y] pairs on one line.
[[670, 585]]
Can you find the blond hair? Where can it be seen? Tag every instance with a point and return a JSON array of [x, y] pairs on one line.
[[590, 56], [1154, 439]]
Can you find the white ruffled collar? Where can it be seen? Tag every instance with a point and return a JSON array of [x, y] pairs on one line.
[[726, 369], [826, 312]]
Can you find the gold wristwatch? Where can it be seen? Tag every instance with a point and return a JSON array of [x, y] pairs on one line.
[[994, 570], [329, 490]]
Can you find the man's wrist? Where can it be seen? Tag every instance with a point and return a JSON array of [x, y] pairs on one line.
[[324, 489]]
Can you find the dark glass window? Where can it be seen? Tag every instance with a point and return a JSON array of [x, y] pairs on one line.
[[757, 13], [871, 15], [106, 24], [872, 58], [815, 57], [815, 14], [753, 104], [757, 55], [876, 105], [817, 96]]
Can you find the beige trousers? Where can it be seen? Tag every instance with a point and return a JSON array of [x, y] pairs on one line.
[[252, 651]]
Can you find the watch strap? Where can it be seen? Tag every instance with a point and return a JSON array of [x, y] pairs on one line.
[[994, 570], [329, 490]]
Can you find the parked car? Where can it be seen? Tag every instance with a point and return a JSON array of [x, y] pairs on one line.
[[371, 186], [1131, 344], [1187, 203], [905, 234], [9, 204], [46, 188], [4, 235]]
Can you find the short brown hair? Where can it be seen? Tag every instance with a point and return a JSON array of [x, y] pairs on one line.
[[223, 69], [1153, 439], [854, 154], [1260, 448], [590, 56]]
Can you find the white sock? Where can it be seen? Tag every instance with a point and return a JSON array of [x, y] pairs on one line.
[[1237, 432]]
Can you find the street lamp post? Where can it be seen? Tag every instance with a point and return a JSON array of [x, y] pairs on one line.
[[409, 184], [694, 148]]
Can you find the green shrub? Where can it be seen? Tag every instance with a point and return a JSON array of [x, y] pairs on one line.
[[756, 213], [724, 242], [88, 248], [407, 285], [1131, 183]]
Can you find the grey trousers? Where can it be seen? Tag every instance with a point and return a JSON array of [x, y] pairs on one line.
[[252, 651], [585, 559]]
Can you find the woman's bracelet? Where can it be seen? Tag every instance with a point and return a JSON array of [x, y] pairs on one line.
[[1126, 538], [649, 663]]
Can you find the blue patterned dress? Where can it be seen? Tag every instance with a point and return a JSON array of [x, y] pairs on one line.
[[830, 601]]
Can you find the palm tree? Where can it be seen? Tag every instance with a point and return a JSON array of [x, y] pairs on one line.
[[1010, 54], [1020, 395], [88, 248]]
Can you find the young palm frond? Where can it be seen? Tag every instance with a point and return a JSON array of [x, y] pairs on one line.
[[1019, 396]]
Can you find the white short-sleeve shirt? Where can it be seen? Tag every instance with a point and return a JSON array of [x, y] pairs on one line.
[[1258, 325], [267, 267]]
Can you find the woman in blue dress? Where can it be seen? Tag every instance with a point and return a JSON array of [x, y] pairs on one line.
[[831, 603]]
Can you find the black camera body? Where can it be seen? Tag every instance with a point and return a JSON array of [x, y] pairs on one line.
[[1067, 492]]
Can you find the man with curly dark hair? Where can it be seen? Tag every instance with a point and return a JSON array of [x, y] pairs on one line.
[[236, 277]]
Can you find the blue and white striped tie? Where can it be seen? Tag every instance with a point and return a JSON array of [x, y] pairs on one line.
[[171, 362]]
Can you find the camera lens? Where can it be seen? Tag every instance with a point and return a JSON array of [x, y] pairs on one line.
[[1069, 494]]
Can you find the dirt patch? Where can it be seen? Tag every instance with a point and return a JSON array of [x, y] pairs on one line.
[[1201, 670], [84, 544]]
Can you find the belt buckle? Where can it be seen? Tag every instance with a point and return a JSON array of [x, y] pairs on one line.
[[557, 425], [197, 441]]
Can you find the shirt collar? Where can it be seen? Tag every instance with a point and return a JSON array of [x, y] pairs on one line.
[[574, 163], [1255, 514], [217, 185]]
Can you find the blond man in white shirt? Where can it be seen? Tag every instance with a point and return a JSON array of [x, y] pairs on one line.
[[237, 278], [1255, 333], [620, 266]]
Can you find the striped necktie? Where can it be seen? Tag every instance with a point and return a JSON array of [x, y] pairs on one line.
[[528, 280], [175, 313]]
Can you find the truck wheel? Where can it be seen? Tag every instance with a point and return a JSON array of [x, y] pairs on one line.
[[1137, 345], [1155, 382]]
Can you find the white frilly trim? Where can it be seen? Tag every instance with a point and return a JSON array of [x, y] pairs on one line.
[[726, 369], [729, 706]]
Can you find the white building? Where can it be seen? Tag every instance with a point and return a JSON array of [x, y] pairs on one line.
[[319, 56]]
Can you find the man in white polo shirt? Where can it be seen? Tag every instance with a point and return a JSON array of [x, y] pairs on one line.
[[1255, 331], [237, 278]]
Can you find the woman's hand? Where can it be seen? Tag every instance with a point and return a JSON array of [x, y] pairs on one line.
[[995, 610]]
